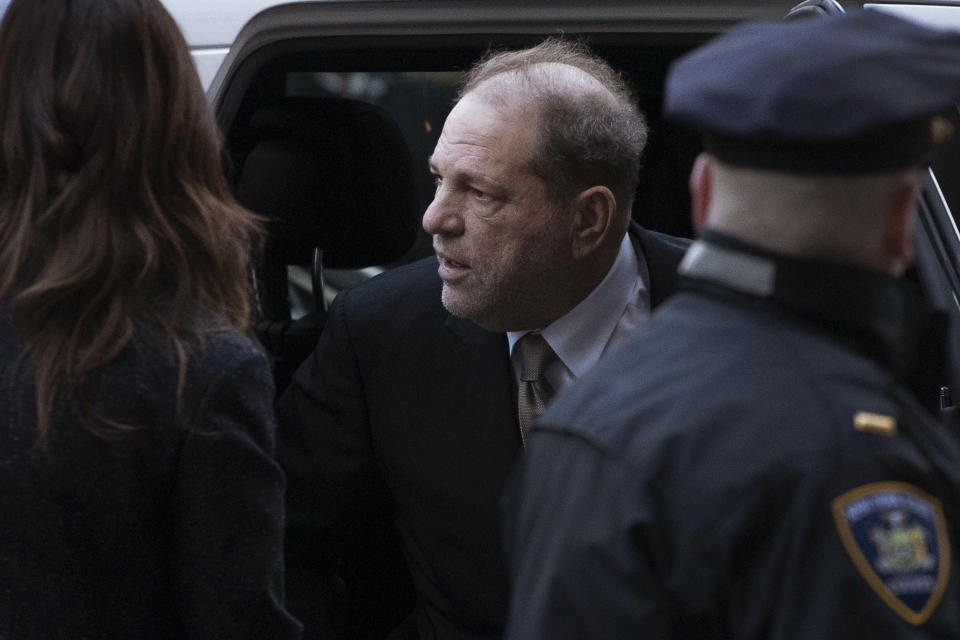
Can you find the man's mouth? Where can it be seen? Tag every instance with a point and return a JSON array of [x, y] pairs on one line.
[[450, 269], [452, 263]]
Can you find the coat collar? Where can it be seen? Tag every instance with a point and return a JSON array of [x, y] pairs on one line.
[[875, 313]]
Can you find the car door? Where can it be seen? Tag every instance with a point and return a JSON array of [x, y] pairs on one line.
[[937, 261], [938, 239]]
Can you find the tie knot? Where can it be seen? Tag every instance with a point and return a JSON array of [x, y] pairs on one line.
[[535, 354]]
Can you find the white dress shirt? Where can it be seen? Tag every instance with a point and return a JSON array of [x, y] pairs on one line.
[[601, 322]]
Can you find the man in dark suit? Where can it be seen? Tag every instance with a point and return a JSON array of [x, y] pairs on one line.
[[409, 414]]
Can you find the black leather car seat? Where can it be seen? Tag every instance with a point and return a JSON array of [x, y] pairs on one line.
[[334, 179]]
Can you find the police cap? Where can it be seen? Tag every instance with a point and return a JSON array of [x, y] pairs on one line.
[[854, 93]]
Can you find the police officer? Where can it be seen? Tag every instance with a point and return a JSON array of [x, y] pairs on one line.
[[759, 463]]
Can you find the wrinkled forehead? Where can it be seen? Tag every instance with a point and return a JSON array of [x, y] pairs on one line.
[[540, 79], [503, 132], [521, 95]]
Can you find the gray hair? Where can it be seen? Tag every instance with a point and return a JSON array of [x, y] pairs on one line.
[[591, 130]]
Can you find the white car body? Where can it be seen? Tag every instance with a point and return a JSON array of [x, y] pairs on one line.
[[211, 27]]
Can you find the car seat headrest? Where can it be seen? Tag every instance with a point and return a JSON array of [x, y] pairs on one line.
[[333, 174]]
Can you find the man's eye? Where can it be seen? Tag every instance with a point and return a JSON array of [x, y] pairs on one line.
[[437, 181], [479, 195]]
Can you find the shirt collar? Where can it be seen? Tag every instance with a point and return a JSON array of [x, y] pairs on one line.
[[580, 336]]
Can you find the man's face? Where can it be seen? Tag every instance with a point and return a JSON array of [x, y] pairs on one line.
[[503, 247]]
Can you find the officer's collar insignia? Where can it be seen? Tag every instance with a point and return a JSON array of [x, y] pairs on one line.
[[875, 423], [897, 537]]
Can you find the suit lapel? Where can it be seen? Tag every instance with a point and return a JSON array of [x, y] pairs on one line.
[[662, 254], [479, 359]]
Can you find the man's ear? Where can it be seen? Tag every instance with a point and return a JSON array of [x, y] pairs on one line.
[[701, 181], [898, 241], [594, 212]]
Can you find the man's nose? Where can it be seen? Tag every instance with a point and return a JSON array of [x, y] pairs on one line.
[[442, 217]]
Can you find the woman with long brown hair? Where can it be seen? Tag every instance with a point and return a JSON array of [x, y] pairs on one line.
[[139, 497]]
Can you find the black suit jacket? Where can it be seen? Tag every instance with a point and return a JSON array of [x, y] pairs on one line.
[[167, 531], [403, 422]]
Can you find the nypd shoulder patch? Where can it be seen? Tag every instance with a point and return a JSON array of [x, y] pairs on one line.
[[896, 535]]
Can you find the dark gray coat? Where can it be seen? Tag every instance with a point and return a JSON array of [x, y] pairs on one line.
[[168, 531]]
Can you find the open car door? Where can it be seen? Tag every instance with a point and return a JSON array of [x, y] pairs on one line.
[[937, 262]]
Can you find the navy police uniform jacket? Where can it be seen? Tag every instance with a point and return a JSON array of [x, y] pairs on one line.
[[754, 466]]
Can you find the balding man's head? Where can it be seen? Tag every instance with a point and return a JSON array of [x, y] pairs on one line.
[[590, 129], [536, 168]]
